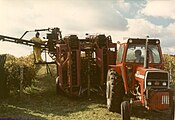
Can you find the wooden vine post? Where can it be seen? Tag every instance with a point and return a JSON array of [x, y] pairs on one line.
[[21, 80]]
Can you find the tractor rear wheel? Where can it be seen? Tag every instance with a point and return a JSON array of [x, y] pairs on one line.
[[114, 91], [125, 110], [172, 110]]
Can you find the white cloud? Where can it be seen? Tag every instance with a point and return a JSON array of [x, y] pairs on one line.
[[71, 16], [142, 28], [130, 8], [117, 18], [168, 36], [139, 28], [14, 49], [163, 8]]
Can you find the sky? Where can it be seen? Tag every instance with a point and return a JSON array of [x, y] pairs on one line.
[[121, 19]]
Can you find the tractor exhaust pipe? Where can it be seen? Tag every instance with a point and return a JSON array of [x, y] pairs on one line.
[[146, 57]]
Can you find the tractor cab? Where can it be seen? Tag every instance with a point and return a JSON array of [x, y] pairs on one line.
[[135, 54]]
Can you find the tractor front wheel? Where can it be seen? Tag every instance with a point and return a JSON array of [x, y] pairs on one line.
[[114, 91], [125, 110], [172, 110], [58, 90]]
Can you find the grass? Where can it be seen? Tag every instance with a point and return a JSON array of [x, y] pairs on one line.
[[41, 102]]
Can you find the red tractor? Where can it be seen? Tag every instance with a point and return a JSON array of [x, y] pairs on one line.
[[138, 78]]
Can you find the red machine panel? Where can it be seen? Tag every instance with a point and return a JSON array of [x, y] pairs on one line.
[[159, 100]]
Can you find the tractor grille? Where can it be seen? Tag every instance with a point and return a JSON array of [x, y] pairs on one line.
[[157, 80], [165, 99], [159, 100]]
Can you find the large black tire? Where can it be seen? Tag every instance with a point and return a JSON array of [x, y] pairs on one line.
[[125, 110], [114, 91], [172, 110], [58, 90]]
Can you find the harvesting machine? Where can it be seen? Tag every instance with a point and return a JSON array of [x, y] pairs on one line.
[[82, 64]]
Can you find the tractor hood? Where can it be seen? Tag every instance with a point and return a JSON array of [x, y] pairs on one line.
[[152, 77], [141, 72]]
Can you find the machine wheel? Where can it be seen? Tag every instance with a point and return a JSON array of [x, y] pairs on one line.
[[125, 110], [172, 111], [114, 91], [58, 90]]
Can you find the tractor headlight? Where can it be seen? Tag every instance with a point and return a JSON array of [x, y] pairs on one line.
[[157, 42], [149, 83], [130, 41], [164, 84]]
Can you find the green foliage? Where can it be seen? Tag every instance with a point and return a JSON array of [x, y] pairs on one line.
[[169, 62], [13, 68]]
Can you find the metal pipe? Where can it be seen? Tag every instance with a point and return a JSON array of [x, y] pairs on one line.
[[24, 34], [47, 29], [146, 57]]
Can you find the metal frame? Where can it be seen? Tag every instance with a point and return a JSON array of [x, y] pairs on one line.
[[92, 56]]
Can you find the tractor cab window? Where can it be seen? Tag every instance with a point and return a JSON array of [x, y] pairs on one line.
[[154, 55], [136, 53], [120, 54]]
